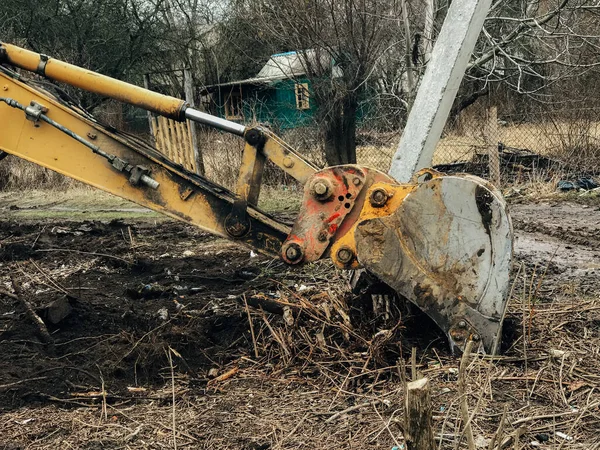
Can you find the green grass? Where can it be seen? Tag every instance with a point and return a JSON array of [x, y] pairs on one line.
[[279, 200], [79, 203], [83, 203]]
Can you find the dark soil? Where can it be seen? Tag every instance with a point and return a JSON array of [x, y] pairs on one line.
[[137, 289], [147, 295], [118, 277]]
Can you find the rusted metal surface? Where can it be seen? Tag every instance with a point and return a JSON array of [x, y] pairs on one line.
[[388, 196], [447, 248], [329, 196], [334, 199]]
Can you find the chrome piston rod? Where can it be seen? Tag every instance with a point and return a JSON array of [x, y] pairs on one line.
[[215, 122]]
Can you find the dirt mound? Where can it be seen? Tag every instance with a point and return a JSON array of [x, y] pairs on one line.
[[136, 290]]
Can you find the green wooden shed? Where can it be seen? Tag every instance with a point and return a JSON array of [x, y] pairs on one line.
[[279, 95]]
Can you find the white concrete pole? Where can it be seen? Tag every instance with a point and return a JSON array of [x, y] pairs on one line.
[[438, 87]]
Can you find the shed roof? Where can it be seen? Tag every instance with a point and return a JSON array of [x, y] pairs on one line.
[[285, 65], [280, 66]]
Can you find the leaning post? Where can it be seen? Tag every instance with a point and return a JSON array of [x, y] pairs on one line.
[[438, 87], [491, 136], [188, 86]]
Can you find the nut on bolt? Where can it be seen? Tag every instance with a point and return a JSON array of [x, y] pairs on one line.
[[345, 255], [321, 189], [379, 198], [235, 227], [293, 252], [456, 335], [288, 162]]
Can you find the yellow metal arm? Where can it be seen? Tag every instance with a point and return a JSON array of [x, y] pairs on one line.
[[269, 145], [233, 219], [116, 163], [93, 82]]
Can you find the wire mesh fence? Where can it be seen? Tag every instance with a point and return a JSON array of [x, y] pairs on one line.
[[484, 139], [563, 143]]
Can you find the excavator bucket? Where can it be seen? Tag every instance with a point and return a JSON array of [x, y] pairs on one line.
[[446, 246], [443, 242]]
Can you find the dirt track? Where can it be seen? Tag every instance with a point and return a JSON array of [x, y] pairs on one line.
[[144, 293], [565, 237]]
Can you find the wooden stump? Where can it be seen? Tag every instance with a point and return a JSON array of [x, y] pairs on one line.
[[418, 430]]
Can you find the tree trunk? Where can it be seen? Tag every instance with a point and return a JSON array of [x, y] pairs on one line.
[[339, 130]]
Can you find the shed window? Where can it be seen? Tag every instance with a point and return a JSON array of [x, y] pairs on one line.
[[233, 105], [302, 96]]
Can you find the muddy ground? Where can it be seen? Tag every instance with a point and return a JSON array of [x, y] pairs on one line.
[[170, 328]]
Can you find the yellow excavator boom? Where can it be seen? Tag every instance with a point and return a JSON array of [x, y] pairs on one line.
[[94, 82]]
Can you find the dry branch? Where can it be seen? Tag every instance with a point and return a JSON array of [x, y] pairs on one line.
[[462, 390], [8, 294], [35, 319]]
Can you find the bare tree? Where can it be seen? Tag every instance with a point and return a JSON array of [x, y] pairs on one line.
[[340, 43], [533, 48]]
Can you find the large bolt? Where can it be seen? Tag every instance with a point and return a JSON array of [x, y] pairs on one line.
[[235, 227], [462, 324], [379, 198], [345, 255], [288, 162], [293, 252], [322, 189], [254, 137], [456, 335]]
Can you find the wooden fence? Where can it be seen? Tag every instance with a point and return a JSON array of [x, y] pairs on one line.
[[174, 140]]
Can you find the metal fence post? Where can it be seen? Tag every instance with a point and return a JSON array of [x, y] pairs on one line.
[[491, 140], [188, 86]]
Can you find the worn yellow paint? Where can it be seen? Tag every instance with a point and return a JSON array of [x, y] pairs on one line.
[[94, 82], [48, 147], [244, 181], [287, 159], [396, 195]]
